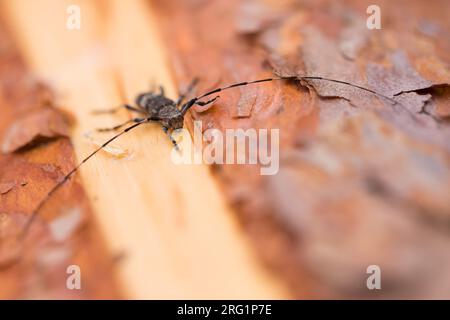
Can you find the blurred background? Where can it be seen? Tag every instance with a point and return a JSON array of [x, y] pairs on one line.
[[360, 207]]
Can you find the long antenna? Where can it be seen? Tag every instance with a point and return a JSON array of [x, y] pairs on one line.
[[35, 212], [191, 102]]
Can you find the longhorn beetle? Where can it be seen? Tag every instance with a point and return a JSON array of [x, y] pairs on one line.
[[156, 107]]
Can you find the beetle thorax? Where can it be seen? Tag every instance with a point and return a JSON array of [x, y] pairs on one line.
[[170, 117], [161, 107]]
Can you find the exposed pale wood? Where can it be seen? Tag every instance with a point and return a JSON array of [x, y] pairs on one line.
[[179, 237]]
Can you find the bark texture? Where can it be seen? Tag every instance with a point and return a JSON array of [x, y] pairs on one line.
[[36, 153], [362, 181]]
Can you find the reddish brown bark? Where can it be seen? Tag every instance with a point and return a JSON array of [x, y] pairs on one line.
[[36, 153], [361, 181]]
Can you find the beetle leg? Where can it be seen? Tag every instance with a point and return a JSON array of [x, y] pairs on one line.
[[175, 144]]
